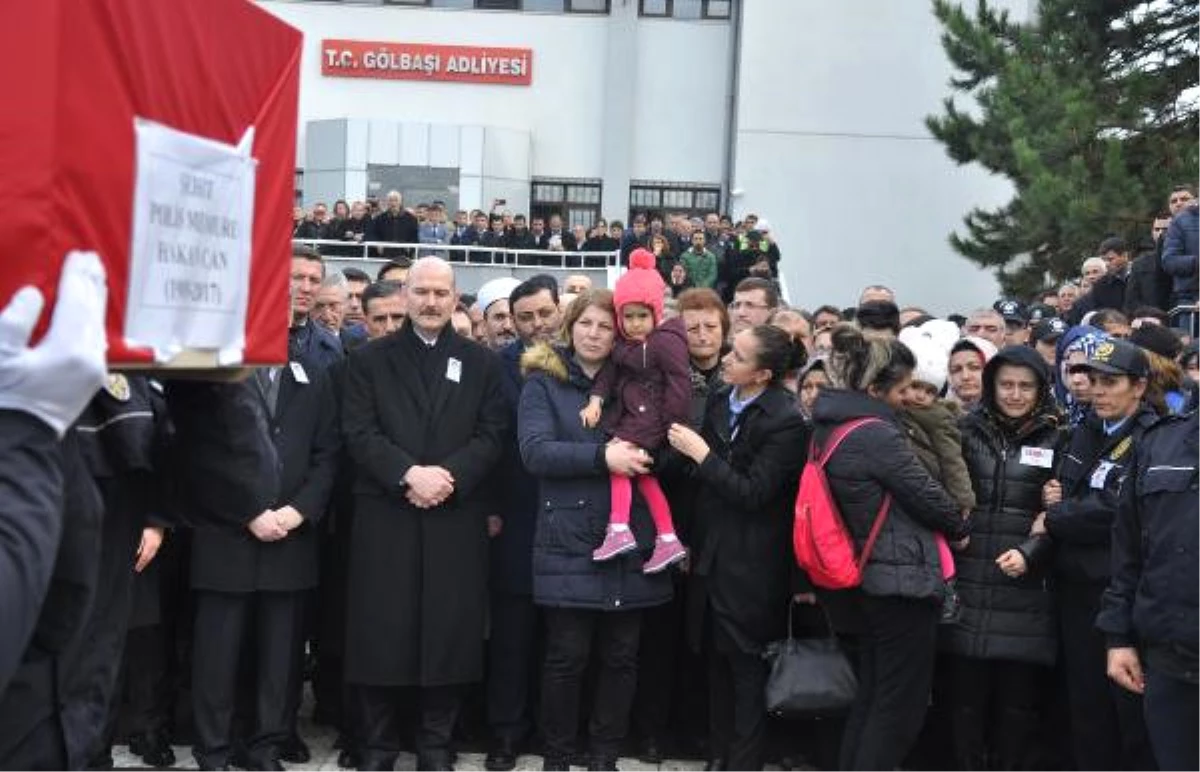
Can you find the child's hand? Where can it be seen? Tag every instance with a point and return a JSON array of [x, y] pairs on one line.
[[591, 414]]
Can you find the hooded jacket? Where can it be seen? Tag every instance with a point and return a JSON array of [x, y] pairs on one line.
[[871, 462], [1002, 617], [574, 496]]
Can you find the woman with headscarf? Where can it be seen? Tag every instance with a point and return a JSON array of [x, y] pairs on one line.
[[1072, 390], [999, 651]]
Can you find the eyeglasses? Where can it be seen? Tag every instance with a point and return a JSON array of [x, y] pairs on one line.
[[738, 305]]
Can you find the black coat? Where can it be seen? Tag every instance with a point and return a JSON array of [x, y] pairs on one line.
[[746, 494], [1093, 470], [1006, 618], [872, 461], [1152, 600], [574, 501], [227, 471], [36, 690], [417, 602], [1107, 292], [304, 432], [31, 486], [1148, 285], [516, 494], [400, 228]]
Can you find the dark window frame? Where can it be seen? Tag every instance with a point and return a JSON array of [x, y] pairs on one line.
[[570, 8], [409, 3], [571, 211], [668, 13], [705, 13], [638, 200], [499, 5]]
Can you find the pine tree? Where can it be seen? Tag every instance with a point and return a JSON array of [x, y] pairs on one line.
[[1086, 109]]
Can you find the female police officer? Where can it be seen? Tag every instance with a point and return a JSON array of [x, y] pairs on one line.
[[1107, 730]]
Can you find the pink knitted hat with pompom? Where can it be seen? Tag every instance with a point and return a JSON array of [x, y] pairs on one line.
[[640, 284]]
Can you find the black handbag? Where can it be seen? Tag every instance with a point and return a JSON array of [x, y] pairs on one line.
[[809, 677]]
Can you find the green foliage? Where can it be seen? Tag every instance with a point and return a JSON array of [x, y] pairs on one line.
[[1086, 109]]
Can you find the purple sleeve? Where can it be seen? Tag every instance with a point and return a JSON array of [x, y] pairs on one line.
[[671, 353], [605, 382]]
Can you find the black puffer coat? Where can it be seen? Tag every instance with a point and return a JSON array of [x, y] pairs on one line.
[[872, 461], [1007, 618]]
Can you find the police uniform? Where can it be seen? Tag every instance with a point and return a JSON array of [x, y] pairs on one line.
[[1152, 601], [1107, 730]]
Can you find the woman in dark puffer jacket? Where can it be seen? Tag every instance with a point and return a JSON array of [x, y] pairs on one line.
[[591, 609], [1001, 647], [896, 609]]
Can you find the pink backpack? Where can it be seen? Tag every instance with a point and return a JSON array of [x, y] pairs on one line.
[[824, 547]]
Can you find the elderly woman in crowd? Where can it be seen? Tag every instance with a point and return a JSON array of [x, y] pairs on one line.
[[1000, 650], [589, 607], [1107, 728], [747, 463], [896, 609]]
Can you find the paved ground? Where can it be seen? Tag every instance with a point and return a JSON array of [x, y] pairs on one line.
[[320, 742]]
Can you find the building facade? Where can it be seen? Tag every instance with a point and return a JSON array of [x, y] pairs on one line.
[[806, 112]]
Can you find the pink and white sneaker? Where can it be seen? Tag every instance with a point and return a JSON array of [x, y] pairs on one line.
[[666, 554], [615, 543]]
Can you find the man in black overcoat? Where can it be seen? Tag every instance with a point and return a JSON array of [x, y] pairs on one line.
[[255, 566], [424, 417]]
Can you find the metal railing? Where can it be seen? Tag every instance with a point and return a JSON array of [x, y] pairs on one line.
[[473, 262]]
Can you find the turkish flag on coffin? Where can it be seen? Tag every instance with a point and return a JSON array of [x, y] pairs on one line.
[[132, 135]]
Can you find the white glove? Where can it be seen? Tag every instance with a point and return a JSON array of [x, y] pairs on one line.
[[56, 380]]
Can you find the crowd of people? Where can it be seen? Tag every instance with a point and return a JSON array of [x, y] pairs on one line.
[[711, 251], [554, 517]]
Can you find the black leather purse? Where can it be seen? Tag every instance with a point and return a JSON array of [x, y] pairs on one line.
[[810, 677]]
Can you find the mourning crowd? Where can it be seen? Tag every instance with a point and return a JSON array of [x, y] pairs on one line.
[[548, 517]]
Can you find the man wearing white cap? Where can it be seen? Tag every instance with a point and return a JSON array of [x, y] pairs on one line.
[[492, 302]]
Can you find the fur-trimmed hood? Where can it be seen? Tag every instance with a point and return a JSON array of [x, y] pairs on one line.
[[544, 358]]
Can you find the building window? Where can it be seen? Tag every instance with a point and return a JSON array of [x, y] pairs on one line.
[[589, 6], [576, 201], [718, 9], [498, 5], [405, 2], [654, 8], [299, 188], [686, 9], [658, 199]]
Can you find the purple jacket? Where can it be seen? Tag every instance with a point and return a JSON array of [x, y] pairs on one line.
[[652, 381]]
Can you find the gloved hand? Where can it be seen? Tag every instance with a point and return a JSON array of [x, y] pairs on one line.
[[56, 380]]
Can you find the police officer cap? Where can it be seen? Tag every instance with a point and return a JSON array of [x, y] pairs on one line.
[[1048, 330], [1116, 357], [1011, 310]]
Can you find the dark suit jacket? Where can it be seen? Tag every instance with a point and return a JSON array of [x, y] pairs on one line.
[[304, 433]]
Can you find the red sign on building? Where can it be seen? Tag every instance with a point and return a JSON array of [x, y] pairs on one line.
[[421, 61]]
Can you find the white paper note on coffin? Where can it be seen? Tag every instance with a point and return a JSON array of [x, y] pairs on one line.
[[189, 260]]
